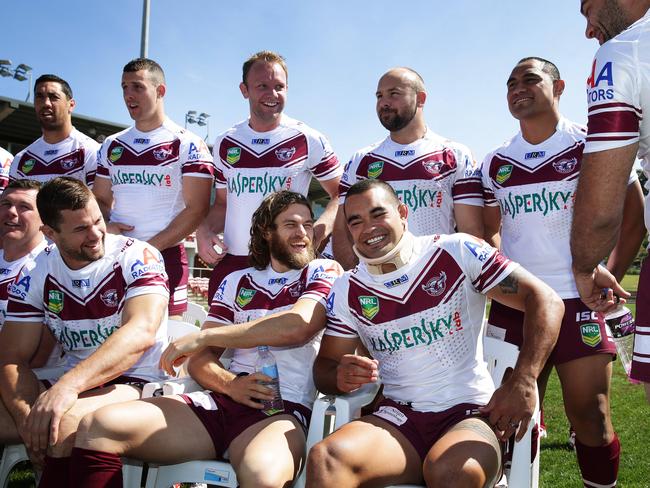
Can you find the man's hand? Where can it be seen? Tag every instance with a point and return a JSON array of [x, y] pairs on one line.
[[210, 245], [511, 406], [179, 350], [599, 290], [355, 371], [118, 228], [248, 391], [42, 424]]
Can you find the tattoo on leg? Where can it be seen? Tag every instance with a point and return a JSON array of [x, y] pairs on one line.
[[510, 284]]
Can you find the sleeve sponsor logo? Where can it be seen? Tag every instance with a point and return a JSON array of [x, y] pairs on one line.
[[329, 304], [82, 283], [148, 264], [244, 296], [218, 295], [19, 287], [397, 281], [116, 153], [535, 155], [436, 285], [480, 250], [233, 154], [375, 168], [55, 301], [605, 76], [285, 154], [504, 173], [369, 306]]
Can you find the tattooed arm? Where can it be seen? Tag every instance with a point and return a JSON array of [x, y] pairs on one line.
[[514, 401]]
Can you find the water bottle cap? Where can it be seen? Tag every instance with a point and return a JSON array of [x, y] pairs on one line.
[[262, 348]]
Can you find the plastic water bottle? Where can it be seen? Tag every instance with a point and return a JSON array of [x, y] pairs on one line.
[[621, 325], [266, 365]]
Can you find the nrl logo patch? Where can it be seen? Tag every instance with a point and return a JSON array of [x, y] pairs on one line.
[[375, 169], [284, 154], [369, 306], [109, 297], [433, 167], [162, 153], [233, 154], [590, 334], [565, 165], [28, 165], [504, 173], [116, 153], [245, 296], [436, 285], [55, 301]]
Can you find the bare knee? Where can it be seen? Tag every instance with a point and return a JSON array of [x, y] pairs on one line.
[[438, 473], [325, 459], [103, 430], [591, 419]]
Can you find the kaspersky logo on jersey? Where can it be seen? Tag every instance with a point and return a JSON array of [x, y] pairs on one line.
[[28, 165], [590, 334], [233, 154], [116, 153], [369, 306], [55, 301], [375, 169], [504, 173], [245, 296]]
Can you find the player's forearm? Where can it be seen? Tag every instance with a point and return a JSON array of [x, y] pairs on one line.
[[325, 376], [207, 370], [341, 244], [179, 228], [324, 226], [19, 388]]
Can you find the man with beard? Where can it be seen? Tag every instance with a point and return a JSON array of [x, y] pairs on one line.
[[280, 301], [437, 179], [267, 152], [104, 297], [617, 92], [417, 304], [62, 150]]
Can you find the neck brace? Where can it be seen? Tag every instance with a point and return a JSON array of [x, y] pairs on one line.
[[399, 255]]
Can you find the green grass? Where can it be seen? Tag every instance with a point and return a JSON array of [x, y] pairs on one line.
[[558, 465]]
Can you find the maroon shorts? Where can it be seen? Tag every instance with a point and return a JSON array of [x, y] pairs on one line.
[[582, 333], [120, 380], [225, 419], [641, 359], [423, 429], [178, 272], [227, 265]]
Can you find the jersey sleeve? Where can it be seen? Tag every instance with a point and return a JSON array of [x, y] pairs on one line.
[[489, 197], [26, 295], [340, 322], [220, 180], [222, 303], [467, 188], [349, 176], [323, 163], [613, 98], [322, 275], [196, 159], [485, 266], [144, 270], [102, 161], [91, 155]]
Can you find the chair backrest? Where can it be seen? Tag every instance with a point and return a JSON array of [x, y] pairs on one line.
[[500, 356], [178, 328], [195, 314]]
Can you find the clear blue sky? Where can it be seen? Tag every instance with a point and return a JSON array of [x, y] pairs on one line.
[[336, 51]]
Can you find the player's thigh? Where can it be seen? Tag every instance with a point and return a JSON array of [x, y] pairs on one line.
[[273, 447], [468, 451], [161, 430], [586, 383], [375, 449]]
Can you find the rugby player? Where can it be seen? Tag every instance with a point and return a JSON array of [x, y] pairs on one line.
[[104, 297], [154, 178], [5, 163], [279, 301], [62, 150], [437, 179], [417, 305], [529, 184], [617, 134], [267, 152]]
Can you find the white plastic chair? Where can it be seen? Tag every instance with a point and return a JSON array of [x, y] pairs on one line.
[[195, 314], [499, 356]]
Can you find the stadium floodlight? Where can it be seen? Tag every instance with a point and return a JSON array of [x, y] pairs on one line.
[[22, 72], [190, 117], [5, 69], [203, 119]]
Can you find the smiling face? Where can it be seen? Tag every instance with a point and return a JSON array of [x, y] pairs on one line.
[[19, 219], [532, 91], [291, 241], [143, 97], [53, 107], [376, 221], [605, 19], [266, 92]]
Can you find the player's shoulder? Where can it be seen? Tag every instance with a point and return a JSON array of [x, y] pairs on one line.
[[572, 129], [375, 147], [84, 140], [236, 131], [323, 268], [445, 142], [300, 126]]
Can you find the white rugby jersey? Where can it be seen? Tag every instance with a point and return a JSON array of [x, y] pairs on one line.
[[618, 92], [83, 307], [8, 272], [5, 163], [250, 294], [251, 165], [423, 321], [74, 156], [146, 171], [534, 186], [429, 175]]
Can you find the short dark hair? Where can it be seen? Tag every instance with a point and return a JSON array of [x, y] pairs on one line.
[[62, 193], [370, 183], [65, 86], [267, 57], [548, 67], [146, 64], [24, 184], [263, 220]]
